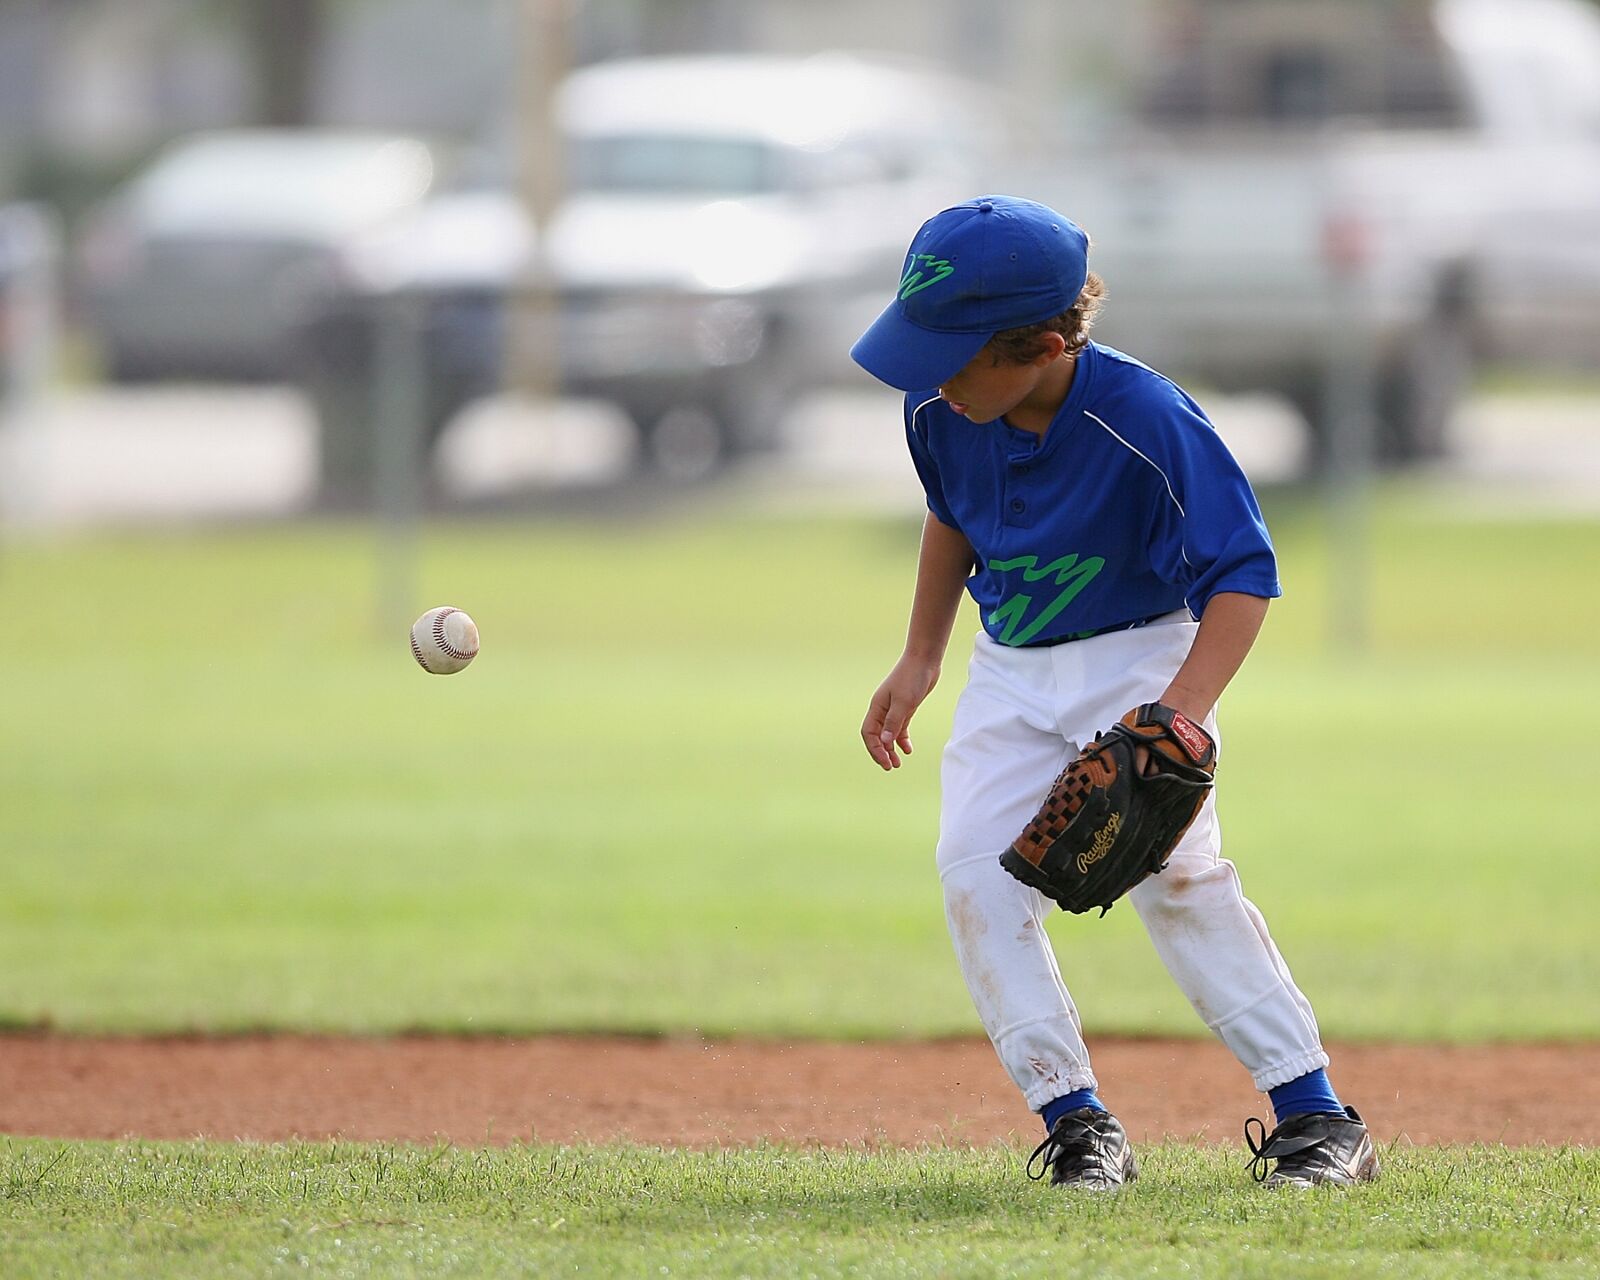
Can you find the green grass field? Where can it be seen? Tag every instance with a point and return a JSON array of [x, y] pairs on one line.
[[230, 801], [210, 1210]]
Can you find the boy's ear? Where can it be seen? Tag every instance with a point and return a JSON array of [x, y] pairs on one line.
[[1052, 345]]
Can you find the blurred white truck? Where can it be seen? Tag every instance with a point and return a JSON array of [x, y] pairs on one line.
[[1444, 156], [1245, 168]]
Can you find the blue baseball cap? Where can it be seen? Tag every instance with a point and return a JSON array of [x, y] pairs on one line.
[[973, 270]]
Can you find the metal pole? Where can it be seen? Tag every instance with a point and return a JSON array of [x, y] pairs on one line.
[[398, 389], [30, 252], [1349, 400], [544, 37]]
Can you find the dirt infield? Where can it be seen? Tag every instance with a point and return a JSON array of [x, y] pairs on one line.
[[694, 1093]]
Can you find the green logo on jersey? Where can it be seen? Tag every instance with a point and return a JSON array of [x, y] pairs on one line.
[[912, 282], [1071, 574]]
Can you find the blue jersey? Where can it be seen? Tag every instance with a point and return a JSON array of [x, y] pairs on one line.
[[1128, 507]]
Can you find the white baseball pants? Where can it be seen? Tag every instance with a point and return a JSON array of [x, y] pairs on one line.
[[1022, 716]]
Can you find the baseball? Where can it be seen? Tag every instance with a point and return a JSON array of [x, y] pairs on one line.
[[444, 640]]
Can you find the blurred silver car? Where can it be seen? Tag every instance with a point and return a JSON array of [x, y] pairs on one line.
[[730, 224], [200, 264]]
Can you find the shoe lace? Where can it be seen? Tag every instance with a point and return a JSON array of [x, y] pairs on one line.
[[1258, 1150], [1302, 1137], [1070, 1137]]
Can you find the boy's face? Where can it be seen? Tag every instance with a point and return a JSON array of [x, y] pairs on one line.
[[988, 387]]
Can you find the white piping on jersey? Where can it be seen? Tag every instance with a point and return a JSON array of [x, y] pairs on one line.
[[1159, 471], [1182, 515]]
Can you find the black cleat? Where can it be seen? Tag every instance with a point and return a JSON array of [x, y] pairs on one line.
[[1087, 1148], [1313, 1150]]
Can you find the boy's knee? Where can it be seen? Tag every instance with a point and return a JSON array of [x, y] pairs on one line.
[[963, 864], [957, 849], [1182, 888]]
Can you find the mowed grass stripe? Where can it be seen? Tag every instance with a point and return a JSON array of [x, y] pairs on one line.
[[213, 1209], [229, 801]]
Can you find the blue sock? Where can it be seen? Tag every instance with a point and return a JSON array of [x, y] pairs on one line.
[[1058, 1107], [1309, 1095]]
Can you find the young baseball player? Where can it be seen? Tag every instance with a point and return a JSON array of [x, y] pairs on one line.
[[1118, 558]]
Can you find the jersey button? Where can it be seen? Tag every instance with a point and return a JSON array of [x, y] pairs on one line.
[[1018, 505]]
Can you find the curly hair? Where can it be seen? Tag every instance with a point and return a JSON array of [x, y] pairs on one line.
[[1018, 346]]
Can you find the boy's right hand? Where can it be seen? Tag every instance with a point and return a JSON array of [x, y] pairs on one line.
[[888, 722]]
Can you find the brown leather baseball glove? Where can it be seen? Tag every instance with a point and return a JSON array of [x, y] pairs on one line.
[[1117, 812]]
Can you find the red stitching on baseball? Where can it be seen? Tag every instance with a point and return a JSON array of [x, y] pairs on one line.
[[416, 652], [438, 636]]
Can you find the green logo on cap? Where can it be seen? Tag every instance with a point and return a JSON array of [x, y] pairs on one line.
[[912, 282]]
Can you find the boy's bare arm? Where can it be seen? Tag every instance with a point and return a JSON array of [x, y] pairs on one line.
[[1227, 630], [942, 569]]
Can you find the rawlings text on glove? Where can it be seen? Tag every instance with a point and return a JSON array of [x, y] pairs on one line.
[[1107, 824]]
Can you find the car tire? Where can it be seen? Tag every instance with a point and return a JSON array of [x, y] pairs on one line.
[[123, 367], [1418, 386], [686, 443], [1421, 387]]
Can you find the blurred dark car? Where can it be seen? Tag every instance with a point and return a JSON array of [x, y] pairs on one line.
[[199, 266], [730, 225]]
